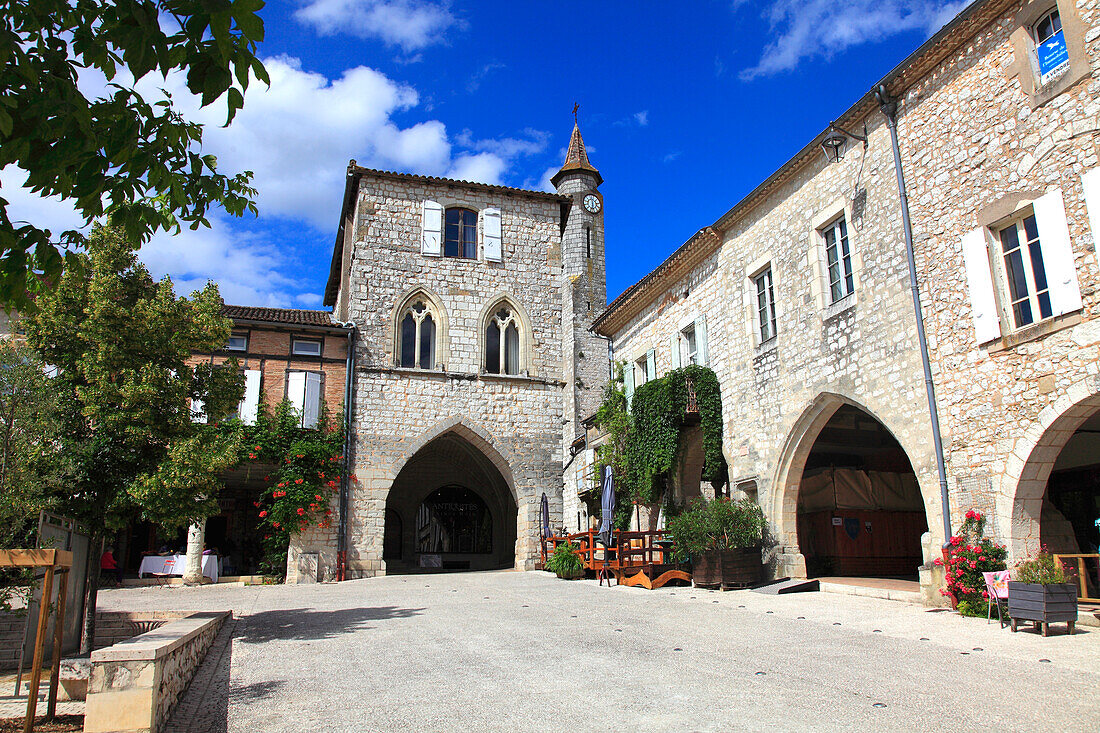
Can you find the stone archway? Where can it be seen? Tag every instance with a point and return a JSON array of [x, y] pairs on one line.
[[803, 452], [1022, 504], [453, 464]]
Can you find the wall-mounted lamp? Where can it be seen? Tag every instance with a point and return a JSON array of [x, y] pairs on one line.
[[836, 140]]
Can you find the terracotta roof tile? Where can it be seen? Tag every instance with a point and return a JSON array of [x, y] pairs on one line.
[[279, 315]]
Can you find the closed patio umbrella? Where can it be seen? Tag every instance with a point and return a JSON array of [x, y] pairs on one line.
[[545, 516], [607, 506]]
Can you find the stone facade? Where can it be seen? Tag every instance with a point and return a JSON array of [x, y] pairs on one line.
[[453, 421], [978, 143], [981, 140]]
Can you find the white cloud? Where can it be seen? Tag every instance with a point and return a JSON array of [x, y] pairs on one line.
[[642, 118], [809, 28], [408, 24], [296, 136], [670, 157]]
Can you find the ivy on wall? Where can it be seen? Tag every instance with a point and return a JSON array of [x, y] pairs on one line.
[[644, 444]]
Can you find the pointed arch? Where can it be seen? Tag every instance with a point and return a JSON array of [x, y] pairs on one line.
[[524, 338], [439, 324], [474, 434]]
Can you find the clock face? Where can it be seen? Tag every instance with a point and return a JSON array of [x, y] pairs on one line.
[[592, 203]]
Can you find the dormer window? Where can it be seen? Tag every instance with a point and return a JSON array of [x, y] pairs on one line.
[[460, 234]]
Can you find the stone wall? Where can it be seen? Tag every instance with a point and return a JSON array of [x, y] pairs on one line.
[[111, 627], [977, 146], [135, 684]]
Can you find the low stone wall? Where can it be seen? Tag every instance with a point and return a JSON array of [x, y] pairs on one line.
[[111, 627], [136, 683]]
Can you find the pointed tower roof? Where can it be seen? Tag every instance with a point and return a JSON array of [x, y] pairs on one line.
[[576, 159]]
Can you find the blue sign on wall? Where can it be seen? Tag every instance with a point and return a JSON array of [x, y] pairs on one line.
[[1053, 57]]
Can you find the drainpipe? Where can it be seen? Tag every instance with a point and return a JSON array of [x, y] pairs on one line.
[[345, 477], [889, 107]]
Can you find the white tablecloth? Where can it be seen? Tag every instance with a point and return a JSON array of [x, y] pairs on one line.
[[174, 565]]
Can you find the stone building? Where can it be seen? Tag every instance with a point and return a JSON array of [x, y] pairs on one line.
[[299, 355], [474, 363], [798, 298]]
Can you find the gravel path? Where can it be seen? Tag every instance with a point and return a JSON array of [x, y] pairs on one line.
[[525, 651]]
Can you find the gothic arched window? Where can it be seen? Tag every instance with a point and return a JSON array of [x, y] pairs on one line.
[[502, 341], [416, 336]]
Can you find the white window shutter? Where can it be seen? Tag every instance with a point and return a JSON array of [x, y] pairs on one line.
[[198, 411], [628, 383], [250, 405], [490, 226], [311, 415], [432, 242], [1090, 182], [983, 302], [1050, 217], [702, 357], [650, 365], [296, 391], [674, 350]]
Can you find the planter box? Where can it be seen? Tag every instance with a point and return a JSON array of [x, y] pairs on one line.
[[727, 569], [575, 575], [1044, 604]]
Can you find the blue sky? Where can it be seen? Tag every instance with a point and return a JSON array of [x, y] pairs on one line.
[[685, 107]]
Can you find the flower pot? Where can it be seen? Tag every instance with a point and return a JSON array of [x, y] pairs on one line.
[[737, 568], [1043, 604], [572, 574]]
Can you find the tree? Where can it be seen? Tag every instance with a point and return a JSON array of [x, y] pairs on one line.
[[120, 342], [31, 457], [118, 153]]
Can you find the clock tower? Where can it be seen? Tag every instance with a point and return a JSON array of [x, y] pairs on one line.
[[584, 287]]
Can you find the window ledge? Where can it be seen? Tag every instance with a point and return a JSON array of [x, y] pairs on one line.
[[834, 310], [767, 347], [1033, 332], [468, 376]]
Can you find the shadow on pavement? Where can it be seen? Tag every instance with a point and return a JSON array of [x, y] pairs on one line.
[[306, 624]]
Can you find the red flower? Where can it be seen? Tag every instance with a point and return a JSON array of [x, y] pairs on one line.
[[317, 497], [267, 478], [275, 525], [300, 456], [256, 448], [256, 504], [328, 511], [956, 541], [320, 474], [251, 455], [263, 514], [301, 511], [297, 480], [267, 536]]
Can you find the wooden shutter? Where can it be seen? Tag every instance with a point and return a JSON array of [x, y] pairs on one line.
[[979, 278], [628, 383], [432, 242], [490, 226], [1050, 217], [702, 353], [296, 391], [674, 346], [650, 365], [198, 411], [1090, 182], [311, 415], [250, 405]]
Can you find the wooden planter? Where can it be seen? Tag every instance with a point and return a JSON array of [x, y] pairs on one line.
[[1042, 604], [575, 575], [727, 569]]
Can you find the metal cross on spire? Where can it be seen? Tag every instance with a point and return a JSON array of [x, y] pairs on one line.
[[576, 106]]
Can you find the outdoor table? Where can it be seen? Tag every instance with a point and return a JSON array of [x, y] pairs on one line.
[[174, 565]]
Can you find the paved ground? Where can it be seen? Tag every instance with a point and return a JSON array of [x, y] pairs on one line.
[[525, 651]]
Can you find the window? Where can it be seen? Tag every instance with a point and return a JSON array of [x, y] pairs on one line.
[[1051, 53], [588, 241], [645, 368], [765, 305], [1025, 273], [460, 234], [305, 347], [689, 351], [250, 404], [237, 342], [303, 389], [417, 338], [502, 342], [838, 257]]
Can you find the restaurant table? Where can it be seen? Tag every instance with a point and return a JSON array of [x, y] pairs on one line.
[[174, 565]]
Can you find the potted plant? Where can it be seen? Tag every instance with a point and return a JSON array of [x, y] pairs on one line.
[[1038, 592], [965, 557], [721, 539], [566, 562]]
